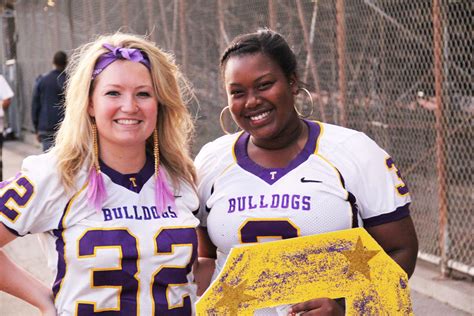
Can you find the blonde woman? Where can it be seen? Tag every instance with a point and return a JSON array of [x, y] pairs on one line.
[[113, 199]]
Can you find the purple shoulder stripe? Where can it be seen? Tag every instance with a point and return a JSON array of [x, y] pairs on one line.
[[398, 214]]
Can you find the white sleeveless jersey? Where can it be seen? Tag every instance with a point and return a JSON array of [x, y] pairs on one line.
[[340, 180], [127, 259]]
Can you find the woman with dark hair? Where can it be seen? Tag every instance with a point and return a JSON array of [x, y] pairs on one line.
[[286, 176]]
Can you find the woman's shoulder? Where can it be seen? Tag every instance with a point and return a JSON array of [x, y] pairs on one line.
[[340, 144], [215, 156], [337, 133], [219, 147], [42, 163], [334, 136], [41, 171], [44, 168], [42, 194], [222, 142]]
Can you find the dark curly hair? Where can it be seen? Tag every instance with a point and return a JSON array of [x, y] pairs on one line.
[[263, 41]]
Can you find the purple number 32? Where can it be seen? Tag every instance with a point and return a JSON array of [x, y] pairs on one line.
[[125, 277]]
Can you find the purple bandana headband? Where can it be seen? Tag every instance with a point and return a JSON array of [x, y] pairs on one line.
[[132, 54]]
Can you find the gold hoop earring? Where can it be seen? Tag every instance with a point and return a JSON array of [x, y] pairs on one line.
[[310, 100], [96, 193], [156, 152], [221, 120], [95, 145], [163, 194]]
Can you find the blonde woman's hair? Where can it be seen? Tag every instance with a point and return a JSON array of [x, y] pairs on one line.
[[74, 144]]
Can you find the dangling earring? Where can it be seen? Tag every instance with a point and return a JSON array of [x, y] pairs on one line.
[[221, 120], [96, 193], [310, 100], [163, 194]]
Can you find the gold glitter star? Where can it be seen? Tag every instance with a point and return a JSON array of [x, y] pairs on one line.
[[359, 259], [233, 297]]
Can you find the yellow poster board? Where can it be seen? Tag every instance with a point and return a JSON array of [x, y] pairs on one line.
[[347, 263]]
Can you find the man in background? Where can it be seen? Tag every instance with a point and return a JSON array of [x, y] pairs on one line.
[[6, 94], [48, 97]]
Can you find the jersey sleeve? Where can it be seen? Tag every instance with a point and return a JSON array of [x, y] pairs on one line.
[[210, 163], [5, 91], [205, 163], [370, 174], [33, 201], [187, 195]]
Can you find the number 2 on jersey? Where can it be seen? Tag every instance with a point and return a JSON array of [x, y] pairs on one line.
[[255, 229], [124, 276], [19, 193]]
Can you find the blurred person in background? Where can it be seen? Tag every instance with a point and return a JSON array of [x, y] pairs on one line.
[[48, 97], [6, 94]]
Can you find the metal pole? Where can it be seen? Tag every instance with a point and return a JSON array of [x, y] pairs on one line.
[[341, 58], [182, 32], [2, 43], [312, 63], [124, 13], [440, 137], [164, 22], [271, 15], [70, 24], [103, 17], [87, 15], [223, 38], [57, 31]]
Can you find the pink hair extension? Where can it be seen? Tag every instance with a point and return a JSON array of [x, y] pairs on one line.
[[163, 194], [96, 193]]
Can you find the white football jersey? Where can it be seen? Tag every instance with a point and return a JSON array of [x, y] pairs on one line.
[[340, 180], [127, 259]]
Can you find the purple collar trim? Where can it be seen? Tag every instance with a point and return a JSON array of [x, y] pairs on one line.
[[132, 54], [133, 181], [272, 175]]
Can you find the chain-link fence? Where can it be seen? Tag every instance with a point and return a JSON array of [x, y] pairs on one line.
[[398, 70]]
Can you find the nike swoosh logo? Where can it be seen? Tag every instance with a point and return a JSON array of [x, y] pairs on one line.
[[304, 180]]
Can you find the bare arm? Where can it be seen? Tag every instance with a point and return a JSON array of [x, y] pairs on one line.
[[204, 267], [18, 282], [399, 241], [6, 103]]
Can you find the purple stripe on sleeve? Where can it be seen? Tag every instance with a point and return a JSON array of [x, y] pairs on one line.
[[398, 214], [61, 265], [60, 245]]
